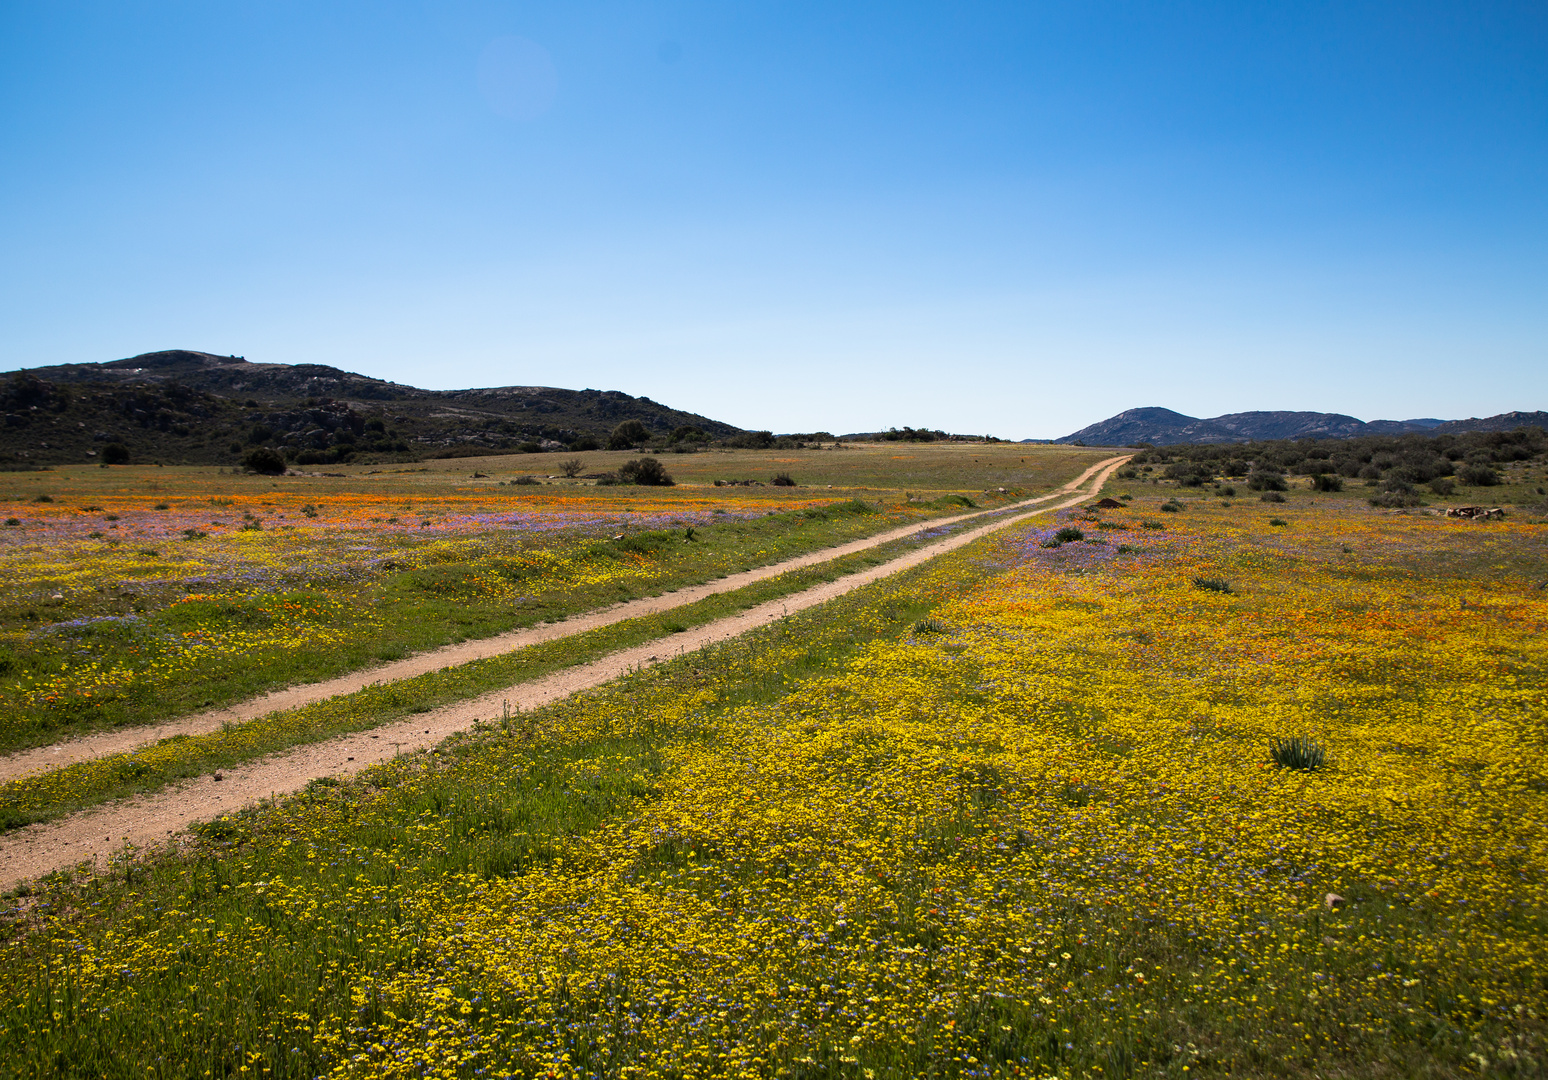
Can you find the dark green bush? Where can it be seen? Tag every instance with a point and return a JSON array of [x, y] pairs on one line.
[[1189, 473], [852, 506], [1298, 753], [782, 480], [1327, 482], [1211, 584], [1266, 480], [1443, 485], [1069, 533], [1271, 496], [264, 461], [1393, 500], [751, 440], [1472, 474], [647, 472], [629, 434], [115, 454]]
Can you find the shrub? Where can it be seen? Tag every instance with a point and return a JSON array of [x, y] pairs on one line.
[[1229, 492], [585, 442], [647, 472], [1442, 485], [571, 467], [1171, 506], [782, 480], [1212, 584], [42, 498], [13, 523], [1151, 525], [628, 434], [1189, 473], [929, 626], [1327, 482], [1069, 533], [1271, 496], [264, 461], [1473, 474], [1278, 521], [1395, 499], [1298, 753], [751, 440], [1266, 480], [115, 454], [526, 480], [529, 448], [852, 506]]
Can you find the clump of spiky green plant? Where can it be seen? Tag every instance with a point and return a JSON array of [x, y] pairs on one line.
[[930, 626], [1213, 584], [1298, 752]]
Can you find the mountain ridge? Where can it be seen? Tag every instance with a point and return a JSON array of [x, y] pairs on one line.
[[1166, 427], [182, 405]]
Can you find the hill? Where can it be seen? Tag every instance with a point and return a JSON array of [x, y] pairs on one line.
[[181, 406], [1163, 427]]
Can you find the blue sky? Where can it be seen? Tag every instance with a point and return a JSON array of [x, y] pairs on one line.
[[1005, 218]]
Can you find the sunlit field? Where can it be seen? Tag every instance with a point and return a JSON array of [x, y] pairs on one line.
[[135, 594], [1029, 810]]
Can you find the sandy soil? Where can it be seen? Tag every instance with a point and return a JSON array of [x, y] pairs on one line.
[[95, 835]]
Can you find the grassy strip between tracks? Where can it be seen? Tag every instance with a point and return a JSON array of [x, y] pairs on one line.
[[75, 787]]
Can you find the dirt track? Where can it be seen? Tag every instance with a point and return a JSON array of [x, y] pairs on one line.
[[95, 834], [43, 758]]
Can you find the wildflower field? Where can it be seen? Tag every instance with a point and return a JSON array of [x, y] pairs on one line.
[[1013, 813], [138, 594]]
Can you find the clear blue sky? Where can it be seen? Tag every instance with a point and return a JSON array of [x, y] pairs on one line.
[[1010, 218]]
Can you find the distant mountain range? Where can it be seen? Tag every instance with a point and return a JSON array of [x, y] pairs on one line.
[[200, 408], [1163, 427]]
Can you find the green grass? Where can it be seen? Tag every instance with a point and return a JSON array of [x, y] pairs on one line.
[[88, 783], [387, 616], [257, 1012], [342, 884]]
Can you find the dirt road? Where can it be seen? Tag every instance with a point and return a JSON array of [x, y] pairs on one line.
[[93, 835], [44, 758]]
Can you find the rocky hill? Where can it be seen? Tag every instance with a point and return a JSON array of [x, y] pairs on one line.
[[198, 408], [1163, 427]]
